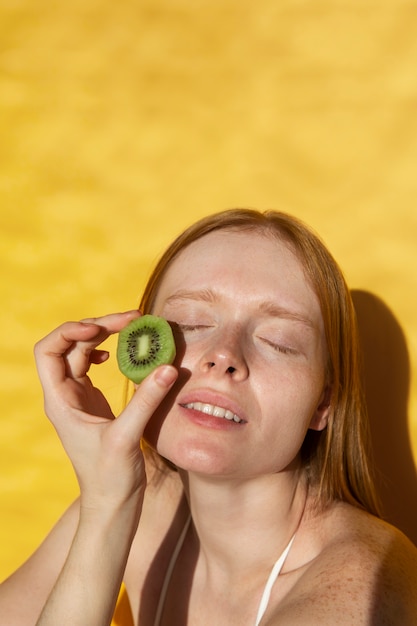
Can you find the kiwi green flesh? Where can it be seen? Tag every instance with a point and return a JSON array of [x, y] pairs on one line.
[[143, 345]]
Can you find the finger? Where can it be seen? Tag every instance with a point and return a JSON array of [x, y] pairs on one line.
[[99, 356], [67, 349], [83, 353], [114, 322], [145, 401], [50, 351]]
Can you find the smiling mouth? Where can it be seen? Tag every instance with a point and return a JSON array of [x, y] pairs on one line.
[[216, 411]]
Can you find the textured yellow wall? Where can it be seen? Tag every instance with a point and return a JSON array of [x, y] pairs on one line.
[[122, 122]]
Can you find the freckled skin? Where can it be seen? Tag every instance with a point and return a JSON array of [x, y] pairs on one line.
[[251, 341], [226, 295], [345, 567]]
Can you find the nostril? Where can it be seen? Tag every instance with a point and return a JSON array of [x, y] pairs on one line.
[[229, 370]]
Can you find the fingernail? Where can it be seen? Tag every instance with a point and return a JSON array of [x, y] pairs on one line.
[[166, 375]]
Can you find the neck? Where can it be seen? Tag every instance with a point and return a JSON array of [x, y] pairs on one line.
[[244, 525]]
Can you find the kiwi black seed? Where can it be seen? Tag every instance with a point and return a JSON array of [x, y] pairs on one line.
[[143, 345]]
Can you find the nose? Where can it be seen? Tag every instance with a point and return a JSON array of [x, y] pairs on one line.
[[225, 357]]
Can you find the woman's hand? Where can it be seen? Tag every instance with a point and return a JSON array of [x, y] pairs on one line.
[[107, 459], [104, 451]]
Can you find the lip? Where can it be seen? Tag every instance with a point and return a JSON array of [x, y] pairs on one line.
[[206, 396]]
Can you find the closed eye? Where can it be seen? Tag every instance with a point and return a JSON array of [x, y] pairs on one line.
[[278, 347], [191, 327]]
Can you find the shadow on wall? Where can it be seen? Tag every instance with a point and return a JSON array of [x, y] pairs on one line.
[[387, 380]]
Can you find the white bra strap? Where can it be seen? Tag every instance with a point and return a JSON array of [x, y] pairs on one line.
[[270, 582], [266, 593]]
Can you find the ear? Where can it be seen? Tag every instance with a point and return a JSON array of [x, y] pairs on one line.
[[320, 418]]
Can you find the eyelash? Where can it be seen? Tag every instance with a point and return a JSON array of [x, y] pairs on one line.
[[190, 327], [279, 348]]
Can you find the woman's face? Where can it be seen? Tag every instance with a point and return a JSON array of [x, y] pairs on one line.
[[251, 356]]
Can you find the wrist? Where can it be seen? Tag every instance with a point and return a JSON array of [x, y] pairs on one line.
[[105, 511]]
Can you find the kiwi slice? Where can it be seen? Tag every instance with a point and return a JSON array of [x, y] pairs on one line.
[[144, 344]]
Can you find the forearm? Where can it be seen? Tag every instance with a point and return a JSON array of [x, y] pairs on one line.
[[86, 591], [108, 461]]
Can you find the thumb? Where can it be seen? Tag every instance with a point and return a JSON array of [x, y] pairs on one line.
[[146, 400]]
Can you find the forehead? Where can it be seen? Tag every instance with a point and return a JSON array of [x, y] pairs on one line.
[[243, 265]]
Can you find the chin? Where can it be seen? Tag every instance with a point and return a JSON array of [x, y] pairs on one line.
[[193, 452], [195, 460]]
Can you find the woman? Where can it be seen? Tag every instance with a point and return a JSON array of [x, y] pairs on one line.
[[250, 501]]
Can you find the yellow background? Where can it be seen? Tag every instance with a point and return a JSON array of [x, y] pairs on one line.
[[123, 122]]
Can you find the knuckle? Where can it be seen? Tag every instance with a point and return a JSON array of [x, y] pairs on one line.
[[89, 320]]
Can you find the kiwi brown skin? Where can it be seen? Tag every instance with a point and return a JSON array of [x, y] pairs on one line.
[[143, 345]]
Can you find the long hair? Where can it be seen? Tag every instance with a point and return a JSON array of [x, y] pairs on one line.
[[336, 459]]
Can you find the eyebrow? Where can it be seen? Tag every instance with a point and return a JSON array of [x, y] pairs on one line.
[[267, 307], [204, 295], [275, 310]]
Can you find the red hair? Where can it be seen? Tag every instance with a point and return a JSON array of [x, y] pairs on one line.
[[336, 459]]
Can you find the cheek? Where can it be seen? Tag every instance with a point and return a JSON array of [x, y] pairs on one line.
[[291, 398]]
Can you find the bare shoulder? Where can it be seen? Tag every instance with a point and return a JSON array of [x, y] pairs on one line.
[[356, 570]]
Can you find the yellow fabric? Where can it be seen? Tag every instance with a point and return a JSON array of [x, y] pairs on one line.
[[122, 122], [123, 613]]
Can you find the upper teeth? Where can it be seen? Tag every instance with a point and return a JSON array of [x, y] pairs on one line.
[[211, 409]]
